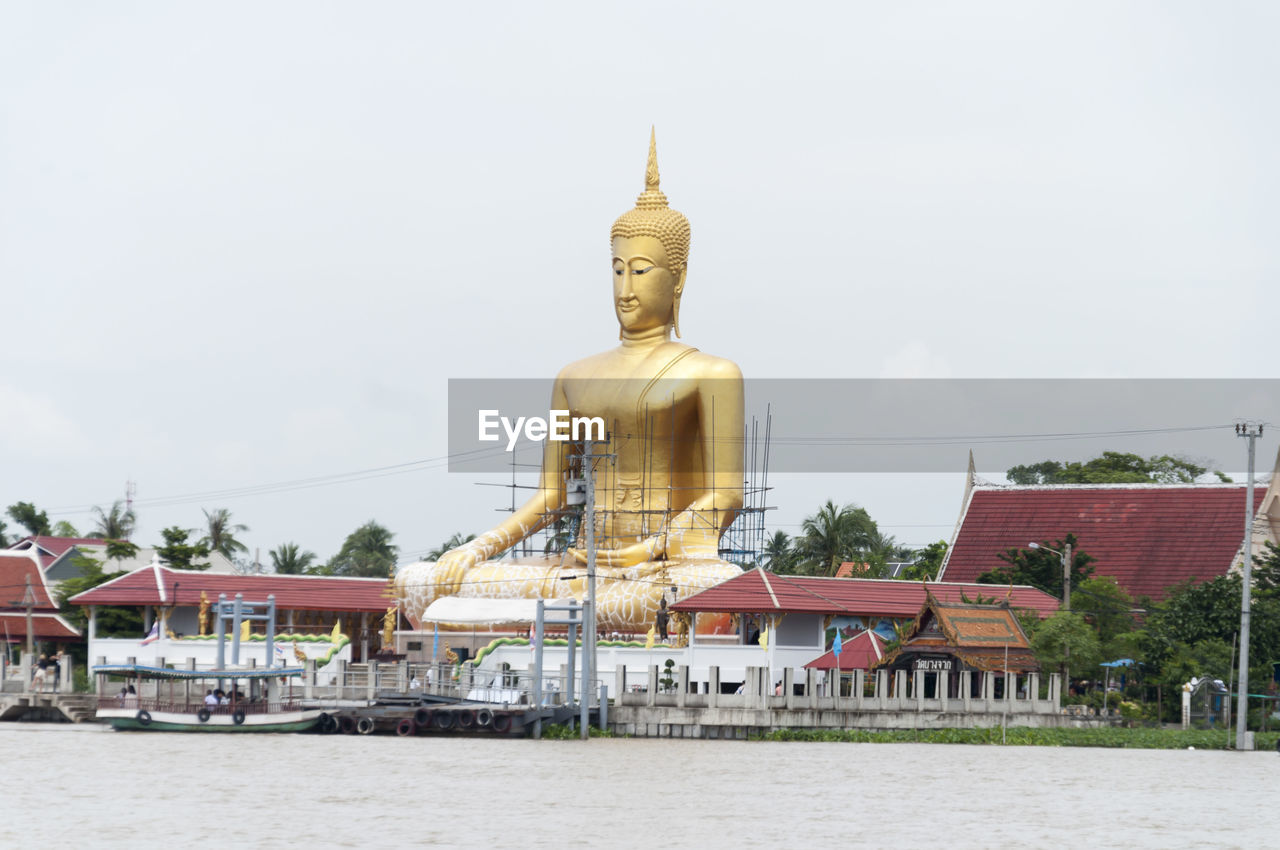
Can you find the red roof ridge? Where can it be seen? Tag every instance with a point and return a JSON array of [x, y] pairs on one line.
[[764, 577], [812, 593], [1135, 485]]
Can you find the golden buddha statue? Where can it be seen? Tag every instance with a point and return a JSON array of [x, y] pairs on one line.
[[674, 480]]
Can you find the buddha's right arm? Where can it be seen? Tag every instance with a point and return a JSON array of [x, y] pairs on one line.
[[534, 515]]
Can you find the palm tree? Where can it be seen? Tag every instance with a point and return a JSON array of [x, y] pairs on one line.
[[367, 551], [778, 555], [115, 524], [221, 536], [835, 534], [288, 560], [452, 543]]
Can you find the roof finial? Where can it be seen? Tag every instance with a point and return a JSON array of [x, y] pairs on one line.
[[651, 169]]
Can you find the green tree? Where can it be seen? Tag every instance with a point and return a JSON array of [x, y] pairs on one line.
[[925, 562], [36, 522], [178, 553], [453, 542], [116, 523], [1106, 604], [1198, 622], [1040, 567], [4, 538], [289, 560], [1110, 468], [220, 535], [62, 528], [119, 550], [833, 535], [367, 551], [1266, 571], [779, 554], [111, 622], [1067, 631]]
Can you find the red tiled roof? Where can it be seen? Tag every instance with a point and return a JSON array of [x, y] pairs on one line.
[[183, 587], [53, 548], [43, 627], [15, 570], [860, 652], [759, 591], [1148, 537]]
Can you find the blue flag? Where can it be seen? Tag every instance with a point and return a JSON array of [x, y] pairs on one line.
[[837, 644], [435, 643]]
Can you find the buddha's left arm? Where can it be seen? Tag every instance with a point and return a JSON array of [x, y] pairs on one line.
[[695, 532]]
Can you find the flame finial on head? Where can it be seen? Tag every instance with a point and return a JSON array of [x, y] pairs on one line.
[[651, 169], [653, 217]]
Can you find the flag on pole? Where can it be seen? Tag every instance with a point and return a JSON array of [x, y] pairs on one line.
[[837, 645], [336, 634], [648, 641], [153, 635], [435, 643]]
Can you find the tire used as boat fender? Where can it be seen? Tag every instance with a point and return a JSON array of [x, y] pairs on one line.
[[466, 719], [422, 717], [501, 722], [347, 725], [484, 718], [443, 719], [326, 724], [144, 717], [203, 715], [237, 716], [364, 725], [406, 727]]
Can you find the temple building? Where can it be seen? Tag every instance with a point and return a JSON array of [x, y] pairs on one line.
[[25, 589], [1149, 537], [948, 640], [306, 606]]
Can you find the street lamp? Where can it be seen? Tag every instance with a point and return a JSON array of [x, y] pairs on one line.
[[1065, 554]]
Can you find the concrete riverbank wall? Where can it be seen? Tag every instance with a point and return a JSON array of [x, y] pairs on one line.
[[876, 702]]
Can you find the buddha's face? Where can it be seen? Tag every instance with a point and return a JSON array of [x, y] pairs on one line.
[[644, 288]]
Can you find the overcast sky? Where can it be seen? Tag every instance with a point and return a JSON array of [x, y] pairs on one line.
[[248, 243]]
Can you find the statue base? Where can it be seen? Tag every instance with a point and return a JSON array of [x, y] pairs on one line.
[[627, 597]]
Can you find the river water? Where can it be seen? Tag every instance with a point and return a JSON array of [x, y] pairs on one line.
[[89, 786]]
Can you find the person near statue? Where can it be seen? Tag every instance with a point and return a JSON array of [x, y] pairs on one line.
[[674, 481]]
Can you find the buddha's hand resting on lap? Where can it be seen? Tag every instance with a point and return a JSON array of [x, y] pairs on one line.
[[683, 545], [628, 556], [455, 563]]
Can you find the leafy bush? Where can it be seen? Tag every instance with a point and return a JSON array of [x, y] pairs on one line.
[[1023, 736]]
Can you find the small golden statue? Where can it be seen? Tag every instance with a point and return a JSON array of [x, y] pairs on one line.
[[389, 629], [203, 615], [675, 431]]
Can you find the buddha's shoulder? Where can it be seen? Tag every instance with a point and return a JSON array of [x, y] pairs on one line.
[[676, 357], [709, 366]]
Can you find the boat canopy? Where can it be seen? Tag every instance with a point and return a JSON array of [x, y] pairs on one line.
[[173, 673]]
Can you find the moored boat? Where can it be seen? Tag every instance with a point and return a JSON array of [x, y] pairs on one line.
[[266, 705]]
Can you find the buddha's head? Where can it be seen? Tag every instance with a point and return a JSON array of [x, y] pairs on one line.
[[650, 247]]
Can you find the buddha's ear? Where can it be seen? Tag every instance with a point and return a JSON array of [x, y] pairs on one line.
[[675, 305]]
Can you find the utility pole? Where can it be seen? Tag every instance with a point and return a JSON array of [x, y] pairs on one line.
[[29, 599], [1251, 432], [1066, 577], [589, 616]]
